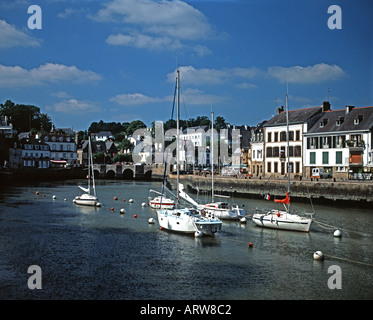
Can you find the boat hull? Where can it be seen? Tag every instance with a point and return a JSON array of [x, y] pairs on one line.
[[223, 214], [186, 222], [86, 200], [157, 203], [284, 221]]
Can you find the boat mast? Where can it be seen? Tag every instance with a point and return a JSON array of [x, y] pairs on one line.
[[91, 168], [212, 156], [177, 132], [288, 147]]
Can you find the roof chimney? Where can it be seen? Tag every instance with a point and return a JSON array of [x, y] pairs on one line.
[[325, 106], [349, 108], [279, 110]]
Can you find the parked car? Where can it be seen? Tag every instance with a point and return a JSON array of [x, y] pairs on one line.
[[320, 173]]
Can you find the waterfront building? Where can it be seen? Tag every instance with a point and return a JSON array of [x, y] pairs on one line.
[[276, 139], [257, 150], [107, 148], [340, 142], [6, 128], [102, 136], [63, 148], [29, 153], [195, 150]]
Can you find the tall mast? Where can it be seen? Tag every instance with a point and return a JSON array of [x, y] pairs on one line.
[[212, 156], [177, 131], [288, 147]]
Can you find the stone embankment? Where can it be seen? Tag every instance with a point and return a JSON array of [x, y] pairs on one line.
[[350, 193]]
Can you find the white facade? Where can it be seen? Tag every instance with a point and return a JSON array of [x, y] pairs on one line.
[[276, 156], [62, 147], [30, 153], [338, 152]]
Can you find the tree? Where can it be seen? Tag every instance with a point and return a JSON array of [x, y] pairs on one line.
[[25, 117], [134, 125]]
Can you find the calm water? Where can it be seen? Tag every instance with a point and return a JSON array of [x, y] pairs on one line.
[[96, 253]]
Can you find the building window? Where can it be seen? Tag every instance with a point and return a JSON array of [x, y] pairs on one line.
[[297, 167], [338, 157], [269, 136], [325, 158], [276, 167], [297, 135], [269, 166], [291, 135], [312, 157], [276, 137]]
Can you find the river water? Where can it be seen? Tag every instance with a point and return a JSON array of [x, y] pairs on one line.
[[97, 253]]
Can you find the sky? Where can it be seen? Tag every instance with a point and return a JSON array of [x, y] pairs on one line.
[[82, 61]]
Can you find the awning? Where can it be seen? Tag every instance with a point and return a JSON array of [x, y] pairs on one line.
[[59, 161]]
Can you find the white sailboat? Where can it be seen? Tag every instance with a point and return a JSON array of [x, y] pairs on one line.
[[186, 220], [160, 201], [220, 209], [284, 219], [87, 198]]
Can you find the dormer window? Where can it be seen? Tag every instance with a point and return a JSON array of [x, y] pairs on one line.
[[340, 121], [323, 122], [358, 119]]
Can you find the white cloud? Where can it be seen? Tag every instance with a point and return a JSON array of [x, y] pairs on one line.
[[188, 96], [16, 76], [11, 37], [311, 74], [191, 75], [167, 23], [133, 99], [197, 97], [74, 106], [144, 41]]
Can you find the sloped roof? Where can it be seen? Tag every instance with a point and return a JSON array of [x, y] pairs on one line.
[[295, 117], [339, 121]]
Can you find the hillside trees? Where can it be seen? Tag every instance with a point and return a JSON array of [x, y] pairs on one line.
[[25, 117]]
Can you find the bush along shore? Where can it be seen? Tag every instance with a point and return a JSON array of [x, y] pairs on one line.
[[322, 191]]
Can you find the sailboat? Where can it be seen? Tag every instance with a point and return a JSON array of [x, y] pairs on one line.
[[186, 220], [160, 201], [87, 198], [219, 209], [284, 219]]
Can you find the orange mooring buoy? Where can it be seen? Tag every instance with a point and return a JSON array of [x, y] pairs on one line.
[[112, 209], [250, 245], [135, 216], [115, 198]]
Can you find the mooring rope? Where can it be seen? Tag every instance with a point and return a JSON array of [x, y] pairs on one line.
[[328, 226]]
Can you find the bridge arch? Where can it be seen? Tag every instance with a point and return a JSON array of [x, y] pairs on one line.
[[128, 174]]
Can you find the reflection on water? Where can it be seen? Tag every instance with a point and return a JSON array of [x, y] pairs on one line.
[[97, 253]]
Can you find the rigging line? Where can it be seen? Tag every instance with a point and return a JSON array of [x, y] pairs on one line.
[[349, 260], [328, 226]]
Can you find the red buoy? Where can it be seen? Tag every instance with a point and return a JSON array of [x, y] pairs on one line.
[[112, 209], [135, 216], [124, 200], [115, 198], [250, 245]]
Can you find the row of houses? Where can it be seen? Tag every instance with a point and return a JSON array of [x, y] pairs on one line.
[[53, 150], [339, 141]]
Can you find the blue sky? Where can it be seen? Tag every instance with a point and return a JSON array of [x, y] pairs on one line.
[[116, 60]]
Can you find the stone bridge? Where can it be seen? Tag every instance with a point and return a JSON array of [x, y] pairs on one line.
[[123, 171]]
